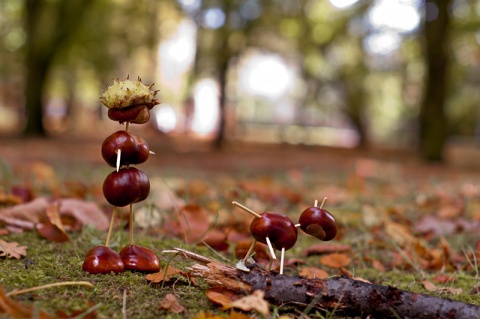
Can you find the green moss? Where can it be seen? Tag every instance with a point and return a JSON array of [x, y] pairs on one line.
[[49, 262]]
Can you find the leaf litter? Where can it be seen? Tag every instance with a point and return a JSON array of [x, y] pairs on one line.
[[423, 234]]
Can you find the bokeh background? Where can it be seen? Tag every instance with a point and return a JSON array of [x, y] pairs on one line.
[[399, 74]]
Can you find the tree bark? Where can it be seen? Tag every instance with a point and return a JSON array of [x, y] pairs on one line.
[[432, 118], [342, 295], [41, 47]]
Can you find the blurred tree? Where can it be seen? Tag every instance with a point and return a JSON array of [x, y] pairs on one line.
[[67, 39], [48, 24], [432, 117]]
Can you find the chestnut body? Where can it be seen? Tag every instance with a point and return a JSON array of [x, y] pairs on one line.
[[134, 149], [102, 260], [319, 223], [280, 230], [127, 186], [140, 259]]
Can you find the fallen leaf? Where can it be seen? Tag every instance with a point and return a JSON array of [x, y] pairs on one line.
[[192, 223], [12, 250], [51, 227], [335, 260], [255, 301], [312, 272], [378, 265], [88, 213], [441, 278], [221, 296], [208, 315], [428, 285], [17, 310], [217, 239], [158, 277], [323, 248], [171, 304], [399, 233]]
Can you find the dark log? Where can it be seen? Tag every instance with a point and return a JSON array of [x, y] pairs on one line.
[[343, 295]]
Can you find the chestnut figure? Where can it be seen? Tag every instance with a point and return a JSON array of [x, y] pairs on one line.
[[127, 186], [140, 259], [278, 228], [319, 223], [134, 149], [102, 260]]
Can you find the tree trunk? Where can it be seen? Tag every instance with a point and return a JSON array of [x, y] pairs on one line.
[[41, 47], [432, 118]]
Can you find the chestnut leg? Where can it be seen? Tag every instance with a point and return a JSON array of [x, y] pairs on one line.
[[110, 227]]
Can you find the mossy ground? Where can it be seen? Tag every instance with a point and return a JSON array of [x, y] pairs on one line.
[[47, 262]]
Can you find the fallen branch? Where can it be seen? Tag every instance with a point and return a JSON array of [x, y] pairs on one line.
[[341, 294]]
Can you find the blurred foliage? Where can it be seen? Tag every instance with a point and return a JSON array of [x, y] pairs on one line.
[[340, 83]]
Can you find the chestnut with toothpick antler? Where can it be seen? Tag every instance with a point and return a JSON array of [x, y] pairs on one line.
[[130, 102], [318, 222]]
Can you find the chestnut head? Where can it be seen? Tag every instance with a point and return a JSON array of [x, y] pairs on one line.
[[277, 227], [134, 149], [319, 223]]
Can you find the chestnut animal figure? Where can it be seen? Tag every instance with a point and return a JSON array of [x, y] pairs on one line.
[[278, 228], [275, 230], [127, 102]]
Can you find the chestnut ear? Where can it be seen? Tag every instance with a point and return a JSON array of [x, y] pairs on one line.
[[316, 231]]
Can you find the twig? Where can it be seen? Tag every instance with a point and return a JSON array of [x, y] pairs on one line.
[[56, 284]]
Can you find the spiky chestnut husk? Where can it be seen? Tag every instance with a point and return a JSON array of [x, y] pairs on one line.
[[127, 93]]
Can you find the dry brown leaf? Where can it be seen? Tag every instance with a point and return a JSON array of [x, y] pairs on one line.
[[51, 226], [158, 277], [335, 260], [221, 296], [208, 315], [429, 286], [192, 222], [87, 213], [18, 311], [313, 272], [171, 304], [399, 233], [217, 239], [378, 265], [12, 250], [326, 248], [255, 301]]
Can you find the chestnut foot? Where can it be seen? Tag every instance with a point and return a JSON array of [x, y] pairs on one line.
[[140, 259], [102, 260]]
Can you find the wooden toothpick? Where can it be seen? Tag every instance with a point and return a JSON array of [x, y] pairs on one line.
[[131, 224], [119, 154], [248, 210], [323, 202], [270, 247], [110, 227], [282, 259], [249, 252]]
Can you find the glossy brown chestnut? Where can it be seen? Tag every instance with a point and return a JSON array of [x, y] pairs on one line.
[[137, 114], [102, 260], [319, 223], [127, 186], [277, 227], [140, 259], [134, 149]]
